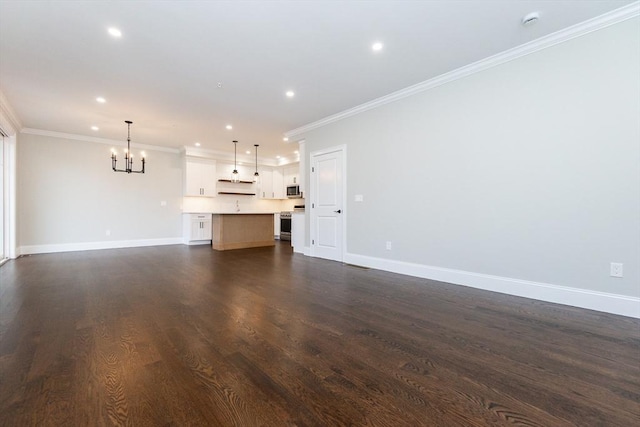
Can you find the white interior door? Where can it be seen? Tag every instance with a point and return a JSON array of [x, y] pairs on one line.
[[327, 205]]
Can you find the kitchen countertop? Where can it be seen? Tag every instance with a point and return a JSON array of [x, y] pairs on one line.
[[233, 213]]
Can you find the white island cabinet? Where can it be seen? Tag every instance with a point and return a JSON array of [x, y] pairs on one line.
[[196, 228]]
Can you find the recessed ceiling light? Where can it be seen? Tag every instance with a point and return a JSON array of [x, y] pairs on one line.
[[115, 32], [285, 139], [229, 127], [248, 152], [377, 46], [197, 144], [277, 157], [290, 94], [296, 152], [95, 128], [101, 100]]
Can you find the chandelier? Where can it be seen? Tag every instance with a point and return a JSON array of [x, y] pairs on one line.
[[128, 156]]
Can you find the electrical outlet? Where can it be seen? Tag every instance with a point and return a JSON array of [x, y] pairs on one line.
[[359, 198], [107, 233], [388, 246], [616, 269], [163, 203]]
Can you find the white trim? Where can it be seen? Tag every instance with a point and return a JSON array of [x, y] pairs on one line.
[[622, 14], [9, 120], [204, 153], [90, 246], [10, 124], [105, 141], [195, 242], [10, 202], [305, 250], [610, 303]]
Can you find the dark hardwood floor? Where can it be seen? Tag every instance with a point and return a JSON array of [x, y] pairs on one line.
[[182, 336]]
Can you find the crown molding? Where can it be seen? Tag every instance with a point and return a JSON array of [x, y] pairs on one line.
[[105, 141], [224, 156], [205, 153], [614, 17], [9, 120]]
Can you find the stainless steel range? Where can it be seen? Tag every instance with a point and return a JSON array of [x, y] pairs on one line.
[[285, 225]]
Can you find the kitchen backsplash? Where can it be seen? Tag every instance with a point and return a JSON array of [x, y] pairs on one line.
[[228, 203]]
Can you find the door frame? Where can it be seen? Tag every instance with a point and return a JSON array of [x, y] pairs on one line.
[[312, 190], [8, 146]]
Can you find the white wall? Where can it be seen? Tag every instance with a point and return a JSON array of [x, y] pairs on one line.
[[69, 196], [529, 170]]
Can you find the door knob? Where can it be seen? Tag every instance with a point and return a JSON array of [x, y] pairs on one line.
[[338, 211]]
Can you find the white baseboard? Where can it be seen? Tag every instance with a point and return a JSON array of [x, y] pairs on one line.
[[600, 301], [90, 246], [305, 250], [196, 242]]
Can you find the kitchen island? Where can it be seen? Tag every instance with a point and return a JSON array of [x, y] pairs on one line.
[[242, 230]]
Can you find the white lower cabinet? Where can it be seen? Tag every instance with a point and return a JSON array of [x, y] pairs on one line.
[[276, 225], [298, 231], [196, 228]]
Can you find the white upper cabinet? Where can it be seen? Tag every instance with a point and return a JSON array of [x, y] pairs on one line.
[[278, 184], [291, 175], [199, 177], [265, 185], [273, 181]]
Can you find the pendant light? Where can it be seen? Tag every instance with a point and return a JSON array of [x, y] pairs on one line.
[[235, 176], [256, 175], [128, 157]]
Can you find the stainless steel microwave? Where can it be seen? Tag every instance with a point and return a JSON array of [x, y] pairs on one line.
[[293, 192]]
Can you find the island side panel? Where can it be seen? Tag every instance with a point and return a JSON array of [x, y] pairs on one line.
[[238, 231]]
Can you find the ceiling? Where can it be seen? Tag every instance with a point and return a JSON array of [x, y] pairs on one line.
[[183, 70]]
